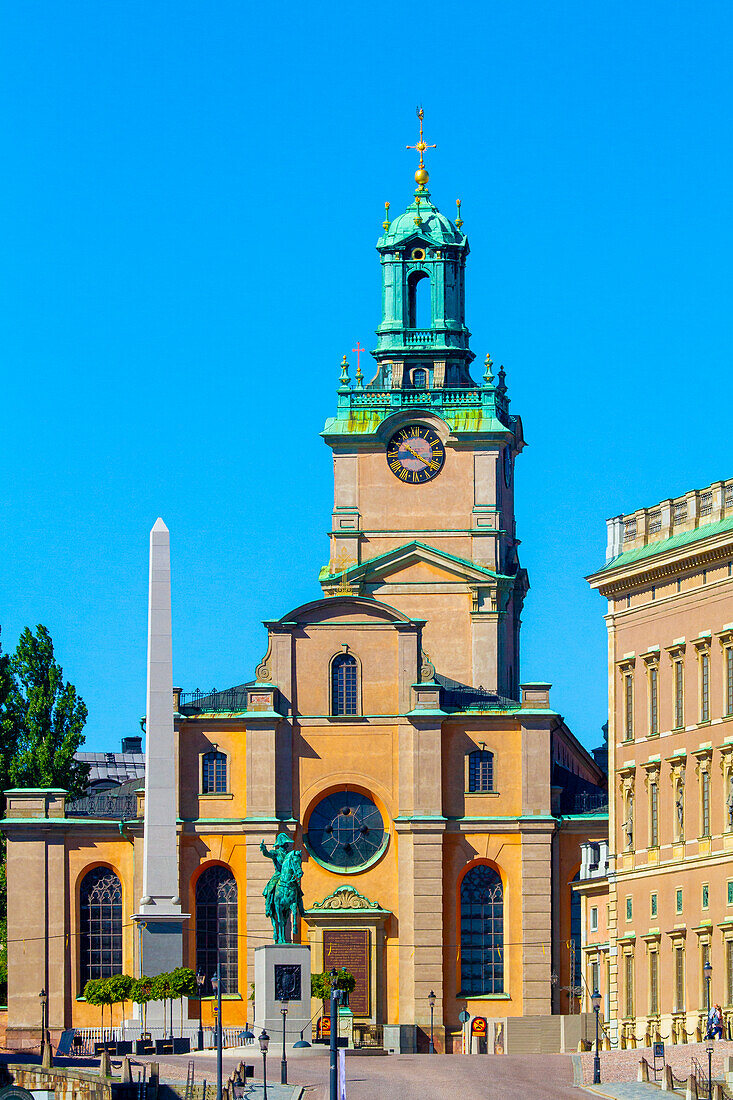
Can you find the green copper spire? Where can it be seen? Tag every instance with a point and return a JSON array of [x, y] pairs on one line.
[[423, 266]]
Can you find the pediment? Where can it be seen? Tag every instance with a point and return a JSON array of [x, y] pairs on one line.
[[418, 563]]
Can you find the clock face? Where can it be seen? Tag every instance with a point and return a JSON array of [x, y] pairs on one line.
[[415, 454]]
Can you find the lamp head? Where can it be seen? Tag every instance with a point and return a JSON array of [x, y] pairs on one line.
[[707, 969], [596, 1000], [431, 999], [215, 982], [264, 1041], [284, 1006], [200, 978]]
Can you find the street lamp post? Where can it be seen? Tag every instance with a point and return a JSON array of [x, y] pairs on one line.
[[596, 1002], [264, 1043], [431, 1002], [710, 1073], [216, 982], [284, 1060], [333, 1051], [200, 979]]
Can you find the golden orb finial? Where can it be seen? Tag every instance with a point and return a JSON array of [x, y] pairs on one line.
[[459, 219], [385, 223], [421, 176]]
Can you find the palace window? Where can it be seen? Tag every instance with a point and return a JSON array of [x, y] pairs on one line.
[[653, 815], [653, 983], [705, 803], [679, 979], [100, 932], [729, 680], [216, 920], [595, 977], [679, 695], [420, 379], [678, 900], [594, 918], [481, 770], [629, 908], [705, 895], [629, 984], [704, 958], [653, 701], [344, 685], [628, 707], [213, 773], [482, 931], [704, 687], [653, 905]]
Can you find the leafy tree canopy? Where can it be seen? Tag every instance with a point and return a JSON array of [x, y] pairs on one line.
[[321, 983], [48, 718], [183, 982]]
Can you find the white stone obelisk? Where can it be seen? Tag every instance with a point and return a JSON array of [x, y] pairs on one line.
[[159, 913]]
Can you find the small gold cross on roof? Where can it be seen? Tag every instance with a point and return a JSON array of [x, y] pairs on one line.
[[421, 145]]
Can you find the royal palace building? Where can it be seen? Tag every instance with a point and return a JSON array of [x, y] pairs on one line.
[[658, 898], [440, 802]]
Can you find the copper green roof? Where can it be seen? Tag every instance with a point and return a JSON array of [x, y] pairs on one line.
[[652, 549]]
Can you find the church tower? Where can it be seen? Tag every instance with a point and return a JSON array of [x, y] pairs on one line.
[[424, 456]]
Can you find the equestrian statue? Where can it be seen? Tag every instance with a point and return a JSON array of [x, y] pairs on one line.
[[283, 894]]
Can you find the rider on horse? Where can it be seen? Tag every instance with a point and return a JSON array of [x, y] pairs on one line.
[[277, 855]]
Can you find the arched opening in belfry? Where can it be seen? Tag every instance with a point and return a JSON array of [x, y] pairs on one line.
[[419, 308]]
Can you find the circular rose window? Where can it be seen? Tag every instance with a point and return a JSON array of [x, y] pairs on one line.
[[346, 831]]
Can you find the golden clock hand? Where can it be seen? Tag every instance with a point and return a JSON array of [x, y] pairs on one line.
[[416, 455]]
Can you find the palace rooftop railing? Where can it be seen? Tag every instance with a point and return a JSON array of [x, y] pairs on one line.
[[231, 701], [116, 807]]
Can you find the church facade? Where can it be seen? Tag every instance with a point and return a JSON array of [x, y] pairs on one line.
[[439, 801]]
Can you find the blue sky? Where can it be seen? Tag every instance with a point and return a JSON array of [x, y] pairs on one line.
[[191, 196]]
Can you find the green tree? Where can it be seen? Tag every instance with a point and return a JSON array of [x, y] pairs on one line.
[[140, 993], [8, 722], [183, 984], [94, 995], [119, 989], [163, 990], [48, 718], [321, 983]]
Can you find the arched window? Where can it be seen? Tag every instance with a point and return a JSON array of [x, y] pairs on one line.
[[481, 770], [344, 680], [482, 932], [214, 773], [100, 925], [216, 915], [419, 308], [420, 379]]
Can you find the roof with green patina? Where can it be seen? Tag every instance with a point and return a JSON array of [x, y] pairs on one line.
[[652, 549], [433, 226]]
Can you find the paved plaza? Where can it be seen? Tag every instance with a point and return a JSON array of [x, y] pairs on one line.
[[403, 1076]]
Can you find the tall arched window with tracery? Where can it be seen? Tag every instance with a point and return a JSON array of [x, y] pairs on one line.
[[344, 685], [100, 925], [482, 931], [216, 915]]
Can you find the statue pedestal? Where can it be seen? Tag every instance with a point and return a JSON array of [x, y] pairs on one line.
[[283, 970]]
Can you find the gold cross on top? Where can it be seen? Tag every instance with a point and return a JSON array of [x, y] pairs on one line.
[[421, 145]]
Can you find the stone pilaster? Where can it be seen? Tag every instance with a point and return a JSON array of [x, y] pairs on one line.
[[536, 917], [420, 873]]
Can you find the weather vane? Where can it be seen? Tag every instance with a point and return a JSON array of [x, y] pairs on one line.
[[421, 176]]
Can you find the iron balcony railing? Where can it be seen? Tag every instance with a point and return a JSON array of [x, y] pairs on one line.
[[117, 807], [205, 702]]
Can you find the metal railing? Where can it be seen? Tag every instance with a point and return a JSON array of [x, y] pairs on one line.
[[122, 807], [587, 802], [368, 1035], [231, 701]]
